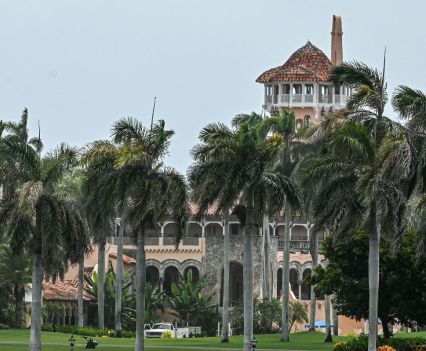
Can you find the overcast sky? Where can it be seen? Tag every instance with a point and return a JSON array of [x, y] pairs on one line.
[[79, 65]]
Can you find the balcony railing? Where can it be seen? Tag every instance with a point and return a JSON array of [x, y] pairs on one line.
[[155, 241], [298, 245], [325, 99], [297, 97], [284, 98], [309, 98]]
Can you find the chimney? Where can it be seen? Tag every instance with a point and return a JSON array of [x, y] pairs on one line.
[[336, 41]]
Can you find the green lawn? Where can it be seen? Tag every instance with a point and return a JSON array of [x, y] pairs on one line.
[[299, 341]]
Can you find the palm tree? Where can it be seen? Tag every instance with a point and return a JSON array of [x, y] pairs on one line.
[[154, 191], [98, 159], [297, 314], [71, 187], [411, 105], [242, 160], [38, 218], [369, 103], [15, 271], [105, 198], [362, 176], [285, 125], [207, 182]]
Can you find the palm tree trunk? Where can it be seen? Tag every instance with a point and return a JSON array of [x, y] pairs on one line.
[[80, 292], [37, 287], [266, 258], [285, 334], [248, 288], [140, 291], [373, 280], [314, 253], [101, 286], [119, 279], [225, 311], [328, 337], [19, 292]]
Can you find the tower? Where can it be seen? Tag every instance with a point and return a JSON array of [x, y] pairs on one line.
[[336, 41]]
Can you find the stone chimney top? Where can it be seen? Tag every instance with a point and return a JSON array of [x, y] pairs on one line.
[[336, 41]]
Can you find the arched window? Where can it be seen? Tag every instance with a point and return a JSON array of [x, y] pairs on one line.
[[299, 123]]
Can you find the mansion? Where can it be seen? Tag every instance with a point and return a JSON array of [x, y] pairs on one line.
[[301, 86]]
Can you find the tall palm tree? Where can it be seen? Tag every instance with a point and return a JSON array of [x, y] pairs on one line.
[[368, 103], [362, 175], [242, 158], [285, 126], [208, 182], [71, 187], [98, 159], [39, 219], [155, 192], [101, 159]]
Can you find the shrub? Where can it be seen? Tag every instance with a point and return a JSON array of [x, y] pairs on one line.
[[405, 344], [392, 344], [128, 334], [4, 326], [85, 331], [47, 327], [385, 348], [339, 346], [168, 334]]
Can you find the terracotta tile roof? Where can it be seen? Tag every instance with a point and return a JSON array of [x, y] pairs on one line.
[[210, 211], [66, 290], [306, 64], [126, 259]]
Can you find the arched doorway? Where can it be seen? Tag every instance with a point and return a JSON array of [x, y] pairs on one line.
[[235, 284], [306, 288], [195, 273], [294, 282], [152, 275], [171, 275]]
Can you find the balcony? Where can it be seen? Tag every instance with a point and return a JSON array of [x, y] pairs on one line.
[[297, 245], [309, 98], [325, 99], [284, 98], [297, 97], [156, 241], [268, 99]]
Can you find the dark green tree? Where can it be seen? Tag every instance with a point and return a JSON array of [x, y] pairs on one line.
[[402, 296]]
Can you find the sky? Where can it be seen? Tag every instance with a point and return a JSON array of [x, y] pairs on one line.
[[80, 65]]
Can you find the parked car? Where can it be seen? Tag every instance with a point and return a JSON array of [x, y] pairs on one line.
[[146, 327], [158, 330]]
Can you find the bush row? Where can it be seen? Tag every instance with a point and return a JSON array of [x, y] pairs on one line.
[[395, 343], [86, 331]]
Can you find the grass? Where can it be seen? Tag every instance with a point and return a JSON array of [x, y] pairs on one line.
[[298, 341]]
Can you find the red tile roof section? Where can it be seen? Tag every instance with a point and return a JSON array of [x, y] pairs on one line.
[[126, 259], [306, 64], [66, 290]]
